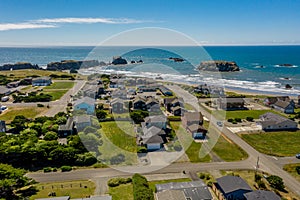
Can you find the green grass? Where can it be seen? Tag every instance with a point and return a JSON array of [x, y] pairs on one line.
[[30, 72], [245, 113], [291, 168], [192, 149], [56, 94], [28, 112], [60, 85], [124, 192], [70, 188], [188, 106], [283, 143], [153, 183]]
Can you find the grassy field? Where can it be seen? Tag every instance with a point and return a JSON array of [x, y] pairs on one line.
[[124, 192], [74, 189], [291, 168], [60, 85], [118, 138], [56, 94], [283, 143], [29, 112], [192, 149], [153, 183], [245, 113], [30, 72]]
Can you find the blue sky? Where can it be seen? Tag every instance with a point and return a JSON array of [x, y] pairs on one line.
[[88, 22]]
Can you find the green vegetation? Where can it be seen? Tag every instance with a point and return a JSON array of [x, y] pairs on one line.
[[60, 85], [188, 106], [65, 168], [33, 97], [124, 192], [19, 74], [276, 182], [28, 112], [283, 143], [141, 190], [292, 169], [138, 115], [153, 183], [74, 189], [56, 94], [243, 114], [13, 183]]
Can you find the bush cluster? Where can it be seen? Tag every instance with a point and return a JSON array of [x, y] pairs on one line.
[[141, 190], [66, 168], [114, 182]]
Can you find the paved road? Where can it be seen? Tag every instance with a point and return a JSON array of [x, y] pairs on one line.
[[265, 162]]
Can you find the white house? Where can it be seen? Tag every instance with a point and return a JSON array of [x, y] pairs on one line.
[[41, 81], [86, 104]]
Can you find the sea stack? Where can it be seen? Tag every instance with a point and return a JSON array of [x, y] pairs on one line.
[[219, 65], [118, 60]]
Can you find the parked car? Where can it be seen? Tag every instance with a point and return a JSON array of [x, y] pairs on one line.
[[298, 156], [219, 123]]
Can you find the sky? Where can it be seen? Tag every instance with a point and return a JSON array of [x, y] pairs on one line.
[[89, 22]]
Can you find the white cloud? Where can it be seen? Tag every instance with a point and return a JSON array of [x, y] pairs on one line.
[[18, 26], [52, 22]]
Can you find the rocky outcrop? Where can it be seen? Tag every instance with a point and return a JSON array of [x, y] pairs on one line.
[[18, 65], [73, 64], [118, 60], [219, 65], [176, 59]]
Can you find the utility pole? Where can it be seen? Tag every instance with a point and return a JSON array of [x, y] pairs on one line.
[[257, 164]]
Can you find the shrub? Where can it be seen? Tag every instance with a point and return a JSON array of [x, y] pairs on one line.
[[40, 105], [276, 182], [249, 119], [47, 169], [142, 150], [257, 177], [238, 120], [114, 182], [298, 169], [230, 120], [66, 168], [174, 118], [202, 176], [261, 184], [54, 170], [141, 190]]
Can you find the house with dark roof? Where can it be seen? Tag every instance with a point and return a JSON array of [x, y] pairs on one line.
[[285, 106], [82, 121], [197, 131], [272, 122], [153, 138], [119, 93], [117, 105], [190, 118], [42, 81], [231, 187], [269, 101], [159, 121], [230, 103], [176, 111], [193, 190], [152, 104], [139, 103], [165, 91], [86, 104], [261, 195], [67, 129]]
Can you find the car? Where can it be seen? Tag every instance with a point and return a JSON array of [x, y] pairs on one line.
[[219, 123], [298, 156]]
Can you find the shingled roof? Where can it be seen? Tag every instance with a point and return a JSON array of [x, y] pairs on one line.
[[230, 184], [261, 195]]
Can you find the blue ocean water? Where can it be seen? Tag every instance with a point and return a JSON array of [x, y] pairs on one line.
[[260, 65]]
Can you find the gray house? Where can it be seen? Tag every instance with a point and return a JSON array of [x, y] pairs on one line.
[[262, 195], [273, 122], [67, 129], [41, 81], [153, 138], [231, 188], [117, 106], [285, 106]]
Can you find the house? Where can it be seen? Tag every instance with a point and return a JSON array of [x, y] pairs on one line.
[[13, 84], [231, 187], [272, 122], [230, 103], [86, 104], [82, 121], [153, 138], [176, 111], [117, 106], [159, 121], [269, 101], [152, 105], [41, 81], [4, 91], [171, 103], [190, 118], [165, 91], [2, 126], [262, 195], [197, 131], [139, 103], [193, 190], [285, 106], [119, 93], [67, 129]]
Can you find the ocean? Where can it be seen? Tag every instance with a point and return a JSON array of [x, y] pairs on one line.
[[260, 66]]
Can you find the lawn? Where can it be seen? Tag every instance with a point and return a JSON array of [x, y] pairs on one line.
[[245, 113], [60, 85], [28, 112], [56, 94], [124, 192], [153, 183], [283, 143], [192, 149], [118, 139], [188, 106], [30, 72], [74, 189], [291, 168]]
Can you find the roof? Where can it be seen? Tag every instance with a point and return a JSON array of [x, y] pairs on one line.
[[116, 100], [68, 125], [232, 100], [153, 130], [196, 127], [261, 195], [56, 198], [198, 193], [176, 108], [104, 197], [230, 184], [193, 116], [169, 100], [179, 185], [171, 195], [82, 119], [271, 118], [138, 98], [153, 139], [282, 104], [155, 118], [42, 78], [4, 90], [87, 100]]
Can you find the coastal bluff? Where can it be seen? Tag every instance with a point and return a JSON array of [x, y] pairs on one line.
[[73, 64], [18, 65], [219, 65]]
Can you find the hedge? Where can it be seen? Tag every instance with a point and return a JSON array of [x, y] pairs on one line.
[[141, 190]]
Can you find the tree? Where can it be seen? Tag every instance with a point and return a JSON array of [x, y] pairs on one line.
[[276, 182], [101, 114], [12, 180], [51, 136], [63, 155], [19, 123], [138, 115]]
